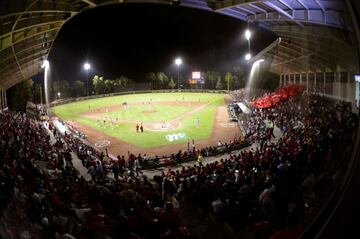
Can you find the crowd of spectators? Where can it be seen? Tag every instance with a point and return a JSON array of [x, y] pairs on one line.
[[270, 187], [275, 185], [59, 203]]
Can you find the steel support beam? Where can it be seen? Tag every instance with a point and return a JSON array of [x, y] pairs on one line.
[[283, 12], [90, 3], [301, 16]]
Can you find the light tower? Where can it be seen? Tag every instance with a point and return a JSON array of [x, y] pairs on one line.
[[248, 37], [87, 67], [178, 62]]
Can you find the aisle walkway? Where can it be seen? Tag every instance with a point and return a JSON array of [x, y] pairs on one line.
[[79, 167], [52, 137]]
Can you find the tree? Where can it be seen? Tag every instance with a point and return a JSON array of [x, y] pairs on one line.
[[98, 83], [228, 79], [219, 85], [171, 84], [151, 76], [210, 79], [162, 79], [124, 81], [109, 86], [117, 84], [79, 88], [64, 88]]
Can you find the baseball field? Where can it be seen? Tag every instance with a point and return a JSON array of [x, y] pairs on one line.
[[167, 119]]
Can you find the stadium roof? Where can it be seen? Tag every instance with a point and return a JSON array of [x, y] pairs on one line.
[[315, 34]]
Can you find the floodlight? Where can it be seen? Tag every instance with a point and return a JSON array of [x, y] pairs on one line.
[[178, 61], [87, 66], [248, 56]]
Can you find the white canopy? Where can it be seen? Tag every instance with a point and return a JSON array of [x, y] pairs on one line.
[[244, 108]]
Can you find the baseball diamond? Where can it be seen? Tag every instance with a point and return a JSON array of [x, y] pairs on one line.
[[169, 120]]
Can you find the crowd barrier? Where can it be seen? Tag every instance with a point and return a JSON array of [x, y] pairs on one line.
[[157, 162]]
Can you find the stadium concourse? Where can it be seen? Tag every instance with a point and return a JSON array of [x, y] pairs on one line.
[[270, 190]]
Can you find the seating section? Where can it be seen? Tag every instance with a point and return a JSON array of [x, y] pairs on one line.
[[275, 98], [274, 184]]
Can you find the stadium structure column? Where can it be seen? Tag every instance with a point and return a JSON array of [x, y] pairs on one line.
[[324, 80], [5, 100], [349, 88], [280, 79], [288, 79], [284, 80], [337, 86], [315, 80], [300, 76], [1, 99], [307, 82]]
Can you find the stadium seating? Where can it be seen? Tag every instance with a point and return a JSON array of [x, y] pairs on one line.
[[274, 185]]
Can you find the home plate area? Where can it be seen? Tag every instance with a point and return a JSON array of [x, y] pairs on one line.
[[163, 126]]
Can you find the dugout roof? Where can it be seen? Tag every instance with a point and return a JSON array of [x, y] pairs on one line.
[[315, 34]]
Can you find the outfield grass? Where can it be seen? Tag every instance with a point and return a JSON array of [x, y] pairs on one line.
[[149, 139], [136, 113]]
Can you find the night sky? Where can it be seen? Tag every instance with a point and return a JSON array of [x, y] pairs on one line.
[[134, 39]]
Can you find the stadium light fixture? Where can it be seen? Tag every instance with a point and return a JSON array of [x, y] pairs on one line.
[[178, 62], [248, 56], [59, 94], [87, 66]]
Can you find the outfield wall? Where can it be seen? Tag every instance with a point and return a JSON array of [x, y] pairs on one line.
[[70, 100]]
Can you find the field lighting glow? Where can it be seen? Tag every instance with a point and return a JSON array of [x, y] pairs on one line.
[[87, 66], [178, 61], [247, 34], [45, 64], [254, 73], [248, 56]]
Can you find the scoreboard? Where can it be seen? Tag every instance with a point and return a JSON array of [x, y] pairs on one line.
[[196, 75], [197, 78]]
